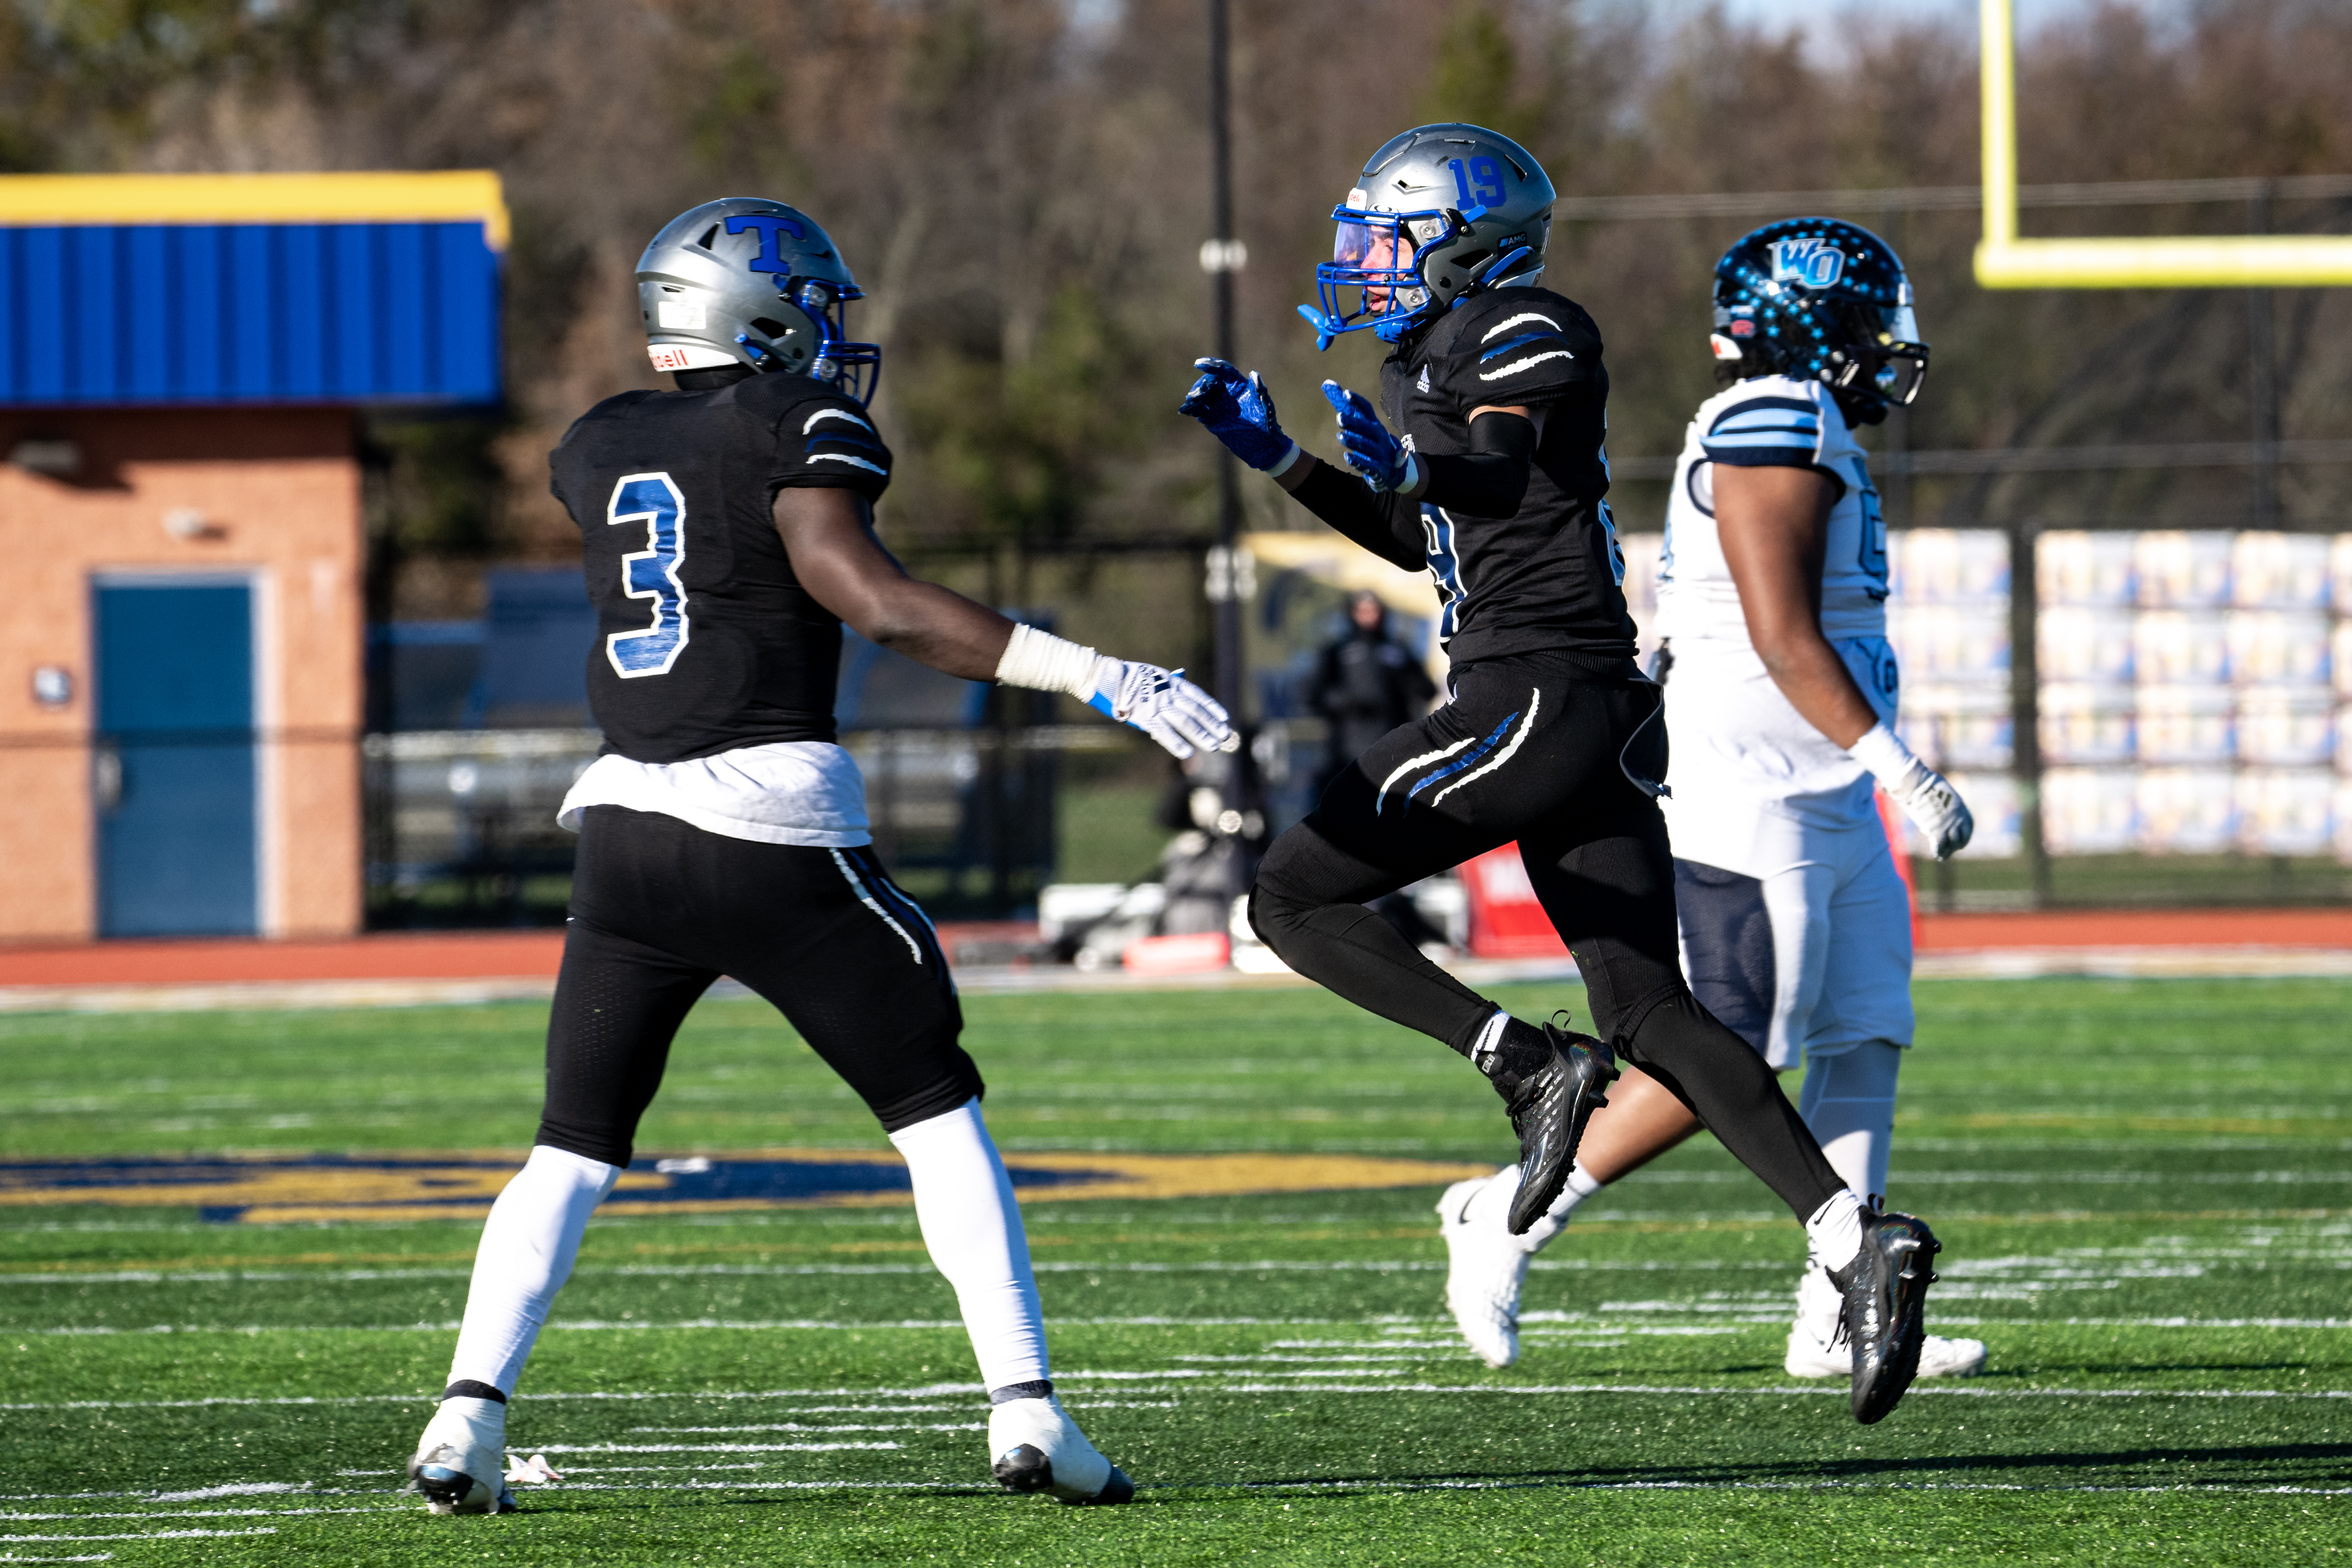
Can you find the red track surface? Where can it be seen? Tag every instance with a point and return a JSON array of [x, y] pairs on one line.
[[2330, 927], [470, 955], [502, 954]]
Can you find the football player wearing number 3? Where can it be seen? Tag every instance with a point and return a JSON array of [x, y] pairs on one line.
[[728, 533], [1551, 737]]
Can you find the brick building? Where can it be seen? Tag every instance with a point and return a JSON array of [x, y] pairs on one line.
[[182, 359]]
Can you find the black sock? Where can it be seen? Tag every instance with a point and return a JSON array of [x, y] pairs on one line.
[[1043, 1388], [1522, 1050], [467, 1388]]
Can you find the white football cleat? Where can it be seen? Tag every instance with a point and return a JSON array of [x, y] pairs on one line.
[[1812, 1355], [461, 1460], [1486, 1267], [1035, 1447], [1815, 1350]]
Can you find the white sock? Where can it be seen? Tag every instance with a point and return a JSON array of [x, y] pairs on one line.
[[1834, 1233], [528, 1246], [963, 1201], [1491, 1205], [1848, 1101]]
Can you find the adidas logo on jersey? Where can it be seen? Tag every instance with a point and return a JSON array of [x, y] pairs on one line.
[[1423, 384]]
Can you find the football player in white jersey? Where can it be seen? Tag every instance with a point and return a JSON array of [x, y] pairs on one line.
[[1796, 928]]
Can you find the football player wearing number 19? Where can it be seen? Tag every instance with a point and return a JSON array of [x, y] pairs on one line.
[[1551, 737], [1780, 686], [728, 533]]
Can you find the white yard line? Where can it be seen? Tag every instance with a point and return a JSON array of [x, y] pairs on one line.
[[147, 1535], [713, 1447], [1809, 1486], [2072, 1259], [819, 1426]]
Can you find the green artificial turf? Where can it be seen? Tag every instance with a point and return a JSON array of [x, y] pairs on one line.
[[2141, 1186]]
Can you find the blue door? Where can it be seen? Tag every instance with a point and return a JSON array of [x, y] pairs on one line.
[[175, 774]]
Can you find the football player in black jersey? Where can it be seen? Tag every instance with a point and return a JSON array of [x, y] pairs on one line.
[[727, 531], [1551, 737]]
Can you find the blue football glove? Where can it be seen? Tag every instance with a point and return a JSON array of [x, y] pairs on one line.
[[1238, 411], [1379, 458], [1163, 704]]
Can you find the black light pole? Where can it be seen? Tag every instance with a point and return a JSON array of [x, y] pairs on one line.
[[1221, 257]]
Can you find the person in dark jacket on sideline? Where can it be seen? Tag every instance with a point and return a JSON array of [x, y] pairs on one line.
[[1365, 685]]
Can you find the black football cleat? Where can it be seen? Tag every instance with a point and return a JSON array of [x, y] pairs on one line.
[[1885, 1312], [1550, 1106]]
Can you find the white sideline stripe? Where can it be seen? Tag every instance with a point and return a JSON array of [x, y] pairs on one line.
[[90, 1557], [2227, 962], [147, 1535], [2248, 962]]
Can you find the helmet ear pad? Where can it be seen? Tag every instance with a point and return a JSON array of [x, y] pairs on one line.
[[1451, 266]]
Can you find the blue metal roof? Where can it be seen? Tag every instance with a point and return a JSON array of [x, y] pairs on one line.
[[96, 314]]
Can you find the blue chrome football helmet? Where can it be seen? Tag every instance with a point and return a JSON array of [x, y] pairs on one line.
[[744, 280], [1438, 214], [1821, 299]]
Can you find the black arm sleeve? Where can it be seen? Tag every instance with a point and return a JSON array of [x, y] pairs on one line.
[[1491, 479], [1388, 527]]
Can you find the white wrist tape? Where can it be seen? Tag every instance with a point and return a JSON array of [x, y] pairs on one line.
[[1043, 662], [1283, 464], [1411, 481], [1884, 754]]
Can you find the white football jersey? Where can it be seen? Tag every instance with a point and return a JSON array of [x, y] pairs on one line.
[[1737, 742], [1770, 421]]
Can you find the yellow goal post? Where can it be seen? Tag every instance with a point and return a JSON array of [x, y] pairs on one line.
[[2005, 261]]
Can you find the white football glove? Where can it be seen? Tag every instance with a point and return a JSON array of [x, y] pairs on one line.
[[1163, 704], [1160, 702], [1927, 796]]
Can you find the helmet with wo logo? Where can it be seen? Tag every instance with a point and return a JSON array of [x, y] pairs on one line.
[[744, 280], [1821, 299], [1438, 214]]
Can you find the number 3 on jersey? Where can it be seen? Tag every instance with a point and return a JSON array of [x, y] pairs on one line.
[[651, 573]]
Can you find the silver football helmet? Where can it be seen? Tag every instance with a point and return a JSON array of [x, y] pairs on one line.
[[1438, 214], [744, 280]]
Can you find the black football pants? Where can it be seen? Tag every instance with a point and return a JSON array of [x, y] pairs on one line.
[[1546, 749], [660, 910]]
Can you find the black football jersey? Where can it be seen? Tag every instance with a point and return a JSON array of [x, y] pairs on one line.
[[1549, 576], [706, 641]]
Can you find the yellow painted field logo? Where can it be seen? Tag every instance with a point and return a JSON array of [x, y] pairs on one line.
[[300, 1189]]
